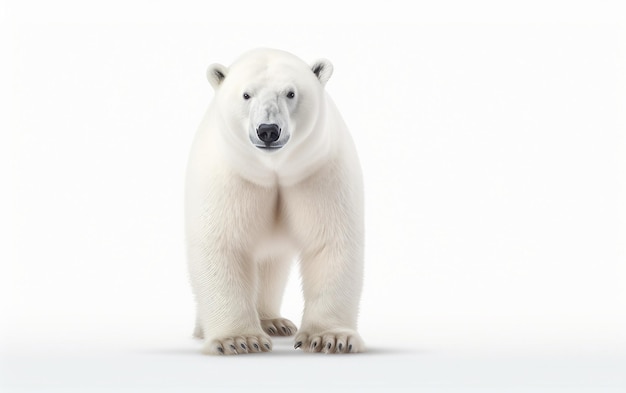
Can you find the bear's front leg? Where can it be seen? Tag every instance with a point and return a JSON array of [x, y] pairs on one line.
[[224, 284], [222, 225], [326, 216], [331, 280]]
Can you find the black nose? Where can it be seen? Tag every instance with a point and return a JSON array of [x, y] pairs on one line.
[[268, 133]]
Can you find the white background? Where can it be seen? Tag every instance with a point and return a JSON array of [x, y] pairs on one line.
[[493, 143]]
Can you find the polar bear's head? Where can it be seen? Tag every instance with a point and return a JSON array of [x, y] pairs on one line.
[[269, 98]]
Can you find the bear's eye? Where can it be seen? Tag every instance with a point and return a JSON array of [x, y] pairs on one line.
[[291, 94], [246, 96]]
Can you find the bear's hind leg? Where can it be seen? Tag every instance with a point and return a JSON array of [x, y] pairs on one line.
[[197, 331], [273, 274]]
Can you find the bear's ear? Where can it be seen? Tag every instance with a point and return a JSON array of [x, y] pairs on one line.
[[216, 73], [322, 69]]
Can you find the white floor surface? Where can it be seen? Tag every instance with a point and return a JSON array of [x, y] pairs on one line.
[[179, 367]]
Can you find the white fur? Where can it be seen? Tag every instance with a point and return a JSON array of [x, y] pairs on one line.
[[251, 211]]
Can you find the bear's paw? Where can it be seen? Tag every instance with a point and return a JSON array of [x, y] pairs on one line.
[[237, 345], [278, 327], [330, 341]]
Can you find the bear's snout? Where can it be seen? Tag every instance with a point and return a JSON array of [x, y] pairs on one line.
[[268, 133]]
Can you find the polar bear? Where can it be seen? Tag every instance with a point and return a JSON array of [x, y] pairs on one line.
[[273, 175]]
